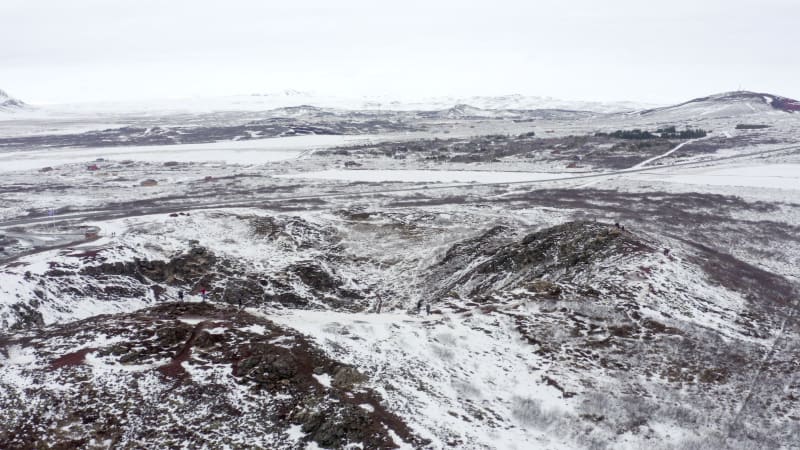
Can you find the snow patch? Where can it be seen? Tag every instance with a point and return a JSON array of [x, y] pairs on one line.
[[323, 379], [20, 356], [255, 329], [192, 320], [295, 433], [773, 176]]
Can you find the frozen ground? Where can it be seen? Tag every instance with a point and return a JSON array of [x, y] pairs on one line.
[[239, 152], [772, 176], [320, 255]]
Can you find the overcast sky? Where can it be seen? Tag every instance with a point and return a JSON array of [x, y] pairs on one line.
[[652, 51]]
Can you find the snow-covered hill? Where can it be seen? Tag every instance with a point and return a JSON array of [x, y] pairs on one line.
[[9, 103], [738, 104], [185, 375]]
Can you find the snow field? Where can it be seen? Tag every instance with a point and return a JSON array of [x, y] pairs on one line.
[[468, 380]]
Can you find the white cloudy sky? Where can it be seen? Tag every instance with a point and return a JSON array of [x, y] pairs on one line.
[[654, 51]]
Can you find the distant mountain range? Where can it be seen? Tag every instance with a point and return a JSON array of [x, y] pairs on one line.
[[503, 102], [724, 105], [299, 103], [300, 100]]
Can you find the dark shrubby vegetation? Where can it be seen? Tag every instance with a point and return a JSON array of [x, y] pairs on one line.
[[662, 133], [749, 126]]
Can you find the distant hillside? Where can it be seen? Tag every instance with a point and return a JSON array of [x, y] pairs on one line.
[[728, 104]]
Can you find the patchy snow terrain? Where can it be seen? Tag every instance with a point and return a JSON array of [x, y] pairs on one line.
[[472, 276]]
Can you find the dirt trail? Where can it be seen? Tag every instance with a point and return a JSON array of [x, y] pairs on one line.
[[656, 158], [174, 369]]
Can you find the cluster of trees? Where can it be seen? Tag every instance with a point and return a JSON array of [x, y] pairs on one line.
[[688, 133], [661, 133]]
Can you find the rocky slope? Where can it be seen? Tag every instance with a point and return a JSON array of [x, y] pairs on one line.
[[571, 334], [179, 375], [583, 335]]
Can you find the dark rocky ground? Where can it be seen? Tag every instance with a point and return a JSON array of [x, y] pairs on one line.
[[160, 135], [183, 374], [577, 152], [282, 122]]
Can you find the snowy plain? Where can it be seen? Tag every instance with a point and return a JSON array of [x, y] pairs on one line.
[[773, 176], [234, 152]]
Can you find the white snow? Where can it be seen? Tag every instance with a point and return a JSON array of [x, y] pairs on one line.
[[295, 433], [255, 329], [260, 151], [21, 356], [774, 176], [192, 320], [217, 330], [433, 371], [323, 379], [367, 407]]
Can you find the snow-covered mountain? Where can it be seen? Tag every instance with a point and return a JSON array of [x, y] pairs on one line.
[[501, 102], [516, 101], [9, 103]]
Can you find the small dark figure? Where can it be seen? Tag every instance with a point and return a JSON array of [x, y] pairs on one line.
[[180, 295], [616, 224], [622, 228], [239, 299], [419, 306], [666, 252], [428, 309], [203, 294]]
